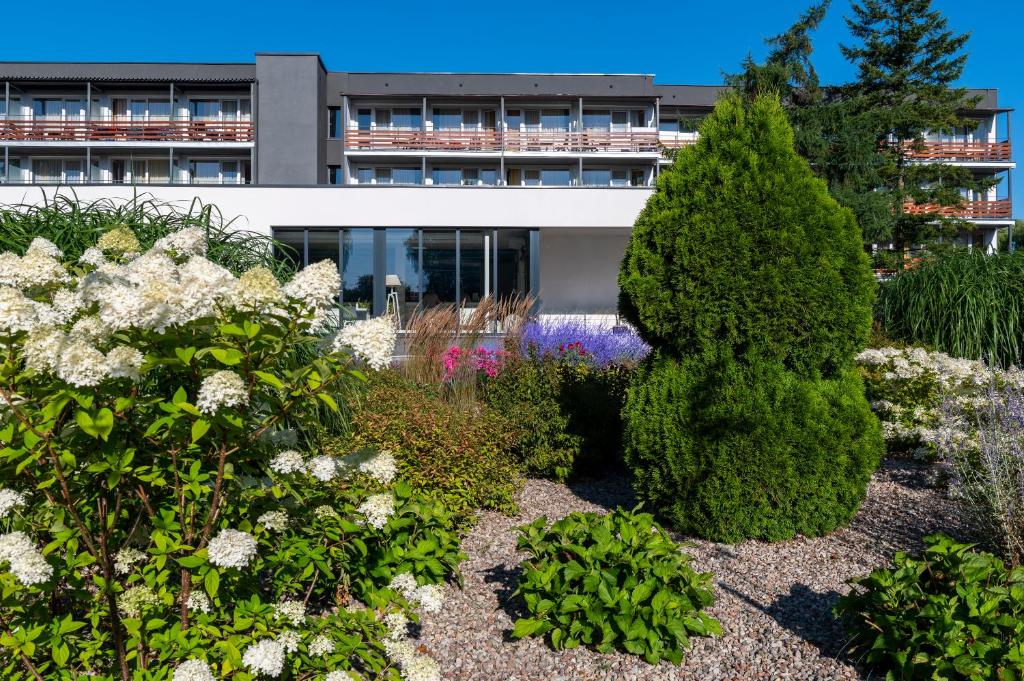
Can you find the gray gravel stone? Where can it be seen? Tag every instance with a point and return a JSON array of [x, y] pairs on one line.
[[774, 600]]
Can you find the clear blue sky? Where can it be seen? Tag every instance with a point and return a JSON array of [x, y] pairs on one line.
[[686, 41]]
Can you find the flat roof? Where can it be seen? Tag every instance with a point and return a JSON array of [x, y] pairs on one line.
[[128, 71]]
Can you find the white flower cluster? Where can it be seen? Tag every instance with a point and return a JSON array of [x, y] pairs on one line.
[[287, 462], [325, 468], [193, 670], [259, 290], [377, 509], [39, 268], [371, 340], [184, 242], [324, 512], [429, 597], [291, 611], [24, 561], [265, 657], [397, 624], [320, 646], [198, 601], [413, 665], [316, 286], [339, 675], [221, 389], [275, 521], [290, 640], [126, 559], [232, 548], [381, 466], [9, 500], [134, 600]]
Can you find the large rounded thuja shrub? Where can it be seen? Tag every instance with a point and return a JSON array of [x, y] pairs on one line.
[[731, 450], [750, 283], [160, 516]]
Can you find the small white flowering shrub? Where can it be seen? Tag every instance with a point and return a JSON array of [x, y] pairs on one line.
[[160, 515], [911, 390]]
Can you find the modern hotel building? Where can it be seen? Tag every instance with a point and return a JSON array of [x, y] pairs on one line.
[[425, 188]]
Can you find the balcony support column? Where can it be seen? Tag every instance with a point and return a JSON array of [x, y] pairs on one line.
[[423, 170], [346, 173], [7, 165], [501, 142], [87, 171], [170, 165]]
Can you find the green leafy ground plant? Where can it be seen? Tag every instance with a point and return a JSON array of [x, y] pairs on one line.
[[953, 613], [614, 581]]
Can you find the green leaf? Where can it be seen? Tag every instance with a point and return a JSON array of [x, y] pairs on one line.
[[212, 582], [227, 356], [526, 626], [199, 429], [185, 354], [269, 379]]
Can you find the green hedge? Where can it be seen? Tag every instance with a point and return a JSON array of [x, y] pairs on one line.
[[729, 451]]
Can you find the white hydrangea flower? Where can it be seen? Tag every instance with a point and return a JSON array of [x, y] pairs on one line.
[[288, 461], [414, 667], [193, 670], [429, 598], [397, 624], [292, 611], [324, 468], [134, 600], [221, 389], [25, 562], [93, 256], [65, 303], [198, 601], [9, 500], [39, 270], [315, 286], [264, 657], [371, 340], [124, 362], [340, 675], [202, 286], [119, 305], [232, 548], [151, 267], [183, 243], [381, 466], [377, 509], [17, 313], [81, 365], [404, 584], [275, 521], [44, 247], [43, 348], [258, 289], [119, 240], [126, 559], [320, 646], [323, 512], [290, 640], [90, 329]]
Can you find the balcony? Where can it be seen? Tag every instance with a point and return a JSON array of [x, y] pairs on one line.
[[970, 151], [1000, 209], [677, 140], [42, 130], [494, 140]]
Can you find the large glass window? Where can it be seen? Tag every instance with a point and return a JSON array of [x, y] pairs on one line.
[[407, 175], [204, 108], [205, 172], [402, 271], [407, 119], [512, 276], [447, 119], [554, 119], [472, 256], [47, 108], [334, 174], [446, 176], [596, 120], [596, 177], [363, 118], [557, 177], [357, 273], [46, 170]]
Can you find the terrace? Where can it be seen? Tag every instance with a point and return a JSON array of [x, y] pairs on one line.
[[34, 129]]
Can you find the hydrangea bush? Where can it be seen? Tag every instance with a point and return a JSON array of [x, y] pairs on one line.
[[912, 392], [159, 517]]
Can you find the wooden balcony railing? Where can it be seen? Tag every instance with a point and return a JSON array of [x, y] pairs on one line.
[[976, 210], [962, 151], [38, 130], [493, 140], [423, 140]]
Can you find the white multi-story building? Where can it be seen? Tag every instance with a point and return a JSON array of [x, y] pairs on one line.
[[432, 187]]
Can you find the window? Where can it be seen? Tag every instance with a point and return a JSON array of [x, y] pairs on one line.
[[620, 178], [382, 176], [555, 177], [334, 175], [229, 172], [407, 175], [637, 178], [204, 108], [363, 117], [334, 122], [470, 176], [47, 108], [447, 176], [596, 177], [407, 119], [447, 119], [382, 118], [205, 172], [159, 109], [531, 178], [513, 118], [554, 119], [364, 175], [46, 170], [489, 176], [596, 120]]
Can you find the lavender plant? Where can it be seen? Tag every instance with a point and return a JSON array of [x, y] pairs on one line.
[[577, 340], [988, 471], [159, 519]]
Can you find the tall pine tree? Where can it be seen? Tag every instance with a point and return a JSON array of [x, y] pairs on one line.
[[908, 62]]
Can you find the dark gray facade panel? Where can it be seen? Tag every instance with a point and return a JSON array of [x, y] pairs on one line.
[[127, 71], [491, 84], [289, 135], [689, 95]]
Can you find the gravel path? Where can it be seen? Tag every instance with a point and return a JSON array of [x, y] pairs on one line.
[[773, 600]]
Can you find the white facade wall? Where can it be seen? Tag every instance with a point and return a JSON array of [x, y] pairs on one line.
[[583, 231]]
